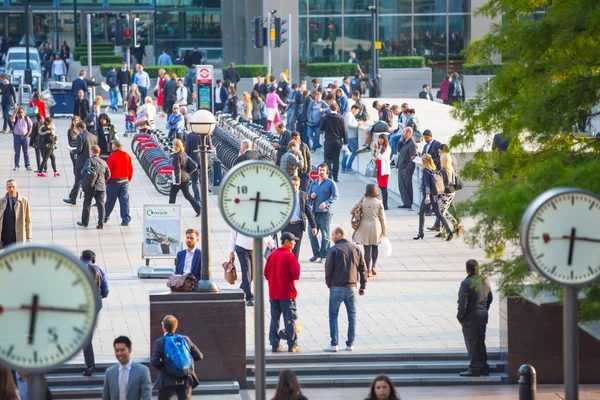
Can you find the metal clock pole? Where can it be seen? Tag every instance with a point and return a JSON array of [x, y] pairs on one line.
[[36, 386], [571, 343], [260, 375]]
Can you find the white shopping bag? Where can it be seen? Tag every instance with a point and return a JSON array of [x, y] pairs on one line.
[[385, 247]]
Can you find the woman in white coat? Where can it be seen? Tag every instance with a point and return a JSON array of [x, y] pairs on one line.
[[381, 156]]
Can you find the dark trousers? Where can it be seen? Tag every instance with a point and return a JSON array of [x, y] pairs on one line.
[[75, 189], [436, 209], [296, 230], [405, 185], [245, 258], [38, 158], [182, 393], [185, 189], [72, 156], [384, 197], [304, 180], [290, 315], [118, 190], [88, 196], [168, 106], [331, 155], [475, 341], [195, 183], [48, 154], [371, 255], [219, 106], [88, 356], [143, 92], [6, 116]]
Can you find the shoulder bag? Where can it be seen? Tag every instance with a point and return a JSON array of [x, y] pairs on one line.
[[181, 283], [458, 184], [191, 166], [229, 272], [357, 215]]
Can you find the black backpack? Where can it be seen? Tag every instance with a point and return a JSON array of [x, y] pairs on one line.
[[190, 96], [89, 178], [111, 81]]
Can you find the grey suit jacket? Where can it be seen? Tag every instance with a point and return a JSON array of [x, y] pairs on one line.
[[139, 386]]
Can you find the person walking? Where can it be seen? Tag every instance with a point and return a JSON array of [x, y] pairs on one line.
[[34, 140], [344, 269], [106, 135], [231, 75], [292, 161], [15, 216], [94, 188], [165, 59], [126, 380], [170, 90], [474, 300], [134, 98], [220, 96], [382, 152], [301, 214], [407, 151], [273, 101], [72, 134], [323, 193], [9, 97], [447, 198], [430, 199], [121, 172], [168, 384], [444, 86], [294, 105], [281, 271], [182, 93], [88, 257], [81, 105], [176, 124], [36, 101], [242, 247], [336, 136], [372, 228], [246, 107], [231, 104], [256, 106], [149, 110], [288, 387], [22, 127], [181, 176], [304, 171], [111, 81], [47, 139], [142, 80], [85, 142]]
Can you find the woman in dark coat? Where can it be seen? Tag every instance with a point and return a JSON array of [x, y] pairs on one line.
[[105, 140], [181, 178], [232, 100], [34, 139]]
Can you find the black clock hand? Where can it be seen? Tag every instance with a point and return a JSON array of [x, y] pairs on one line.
[[270, 201], [256, 206], [32, 319], [55, 309], [584, 239], [571, 246]]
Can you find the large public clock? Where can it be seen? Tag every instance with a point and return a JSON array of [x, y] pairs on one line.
[[48, 307], [256, 198], [560, 236]]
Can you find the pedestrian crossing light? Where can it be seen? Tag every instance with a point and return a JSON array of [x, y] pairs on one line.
[[127, 37], [137, 28], [258, 31], [279, 31]]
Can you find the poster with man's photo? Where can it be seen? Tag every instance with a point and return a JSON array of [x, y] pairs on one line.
[[162, 231]]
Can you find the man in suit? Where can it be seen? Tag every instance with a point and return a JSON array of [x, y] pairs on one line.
[[98, 191], [189, 261], [346, 88], [300, 215], [231, 75], [431, 147], [220, 96], [304, 171], [407, 151], [425, 93], [166, 384], [92, 121], [85, 141], [80, 83], [126, 380], [123, 78], [285, 137], [260, 86], [20, 379], [246, 152], [474, 300], [15, 216]]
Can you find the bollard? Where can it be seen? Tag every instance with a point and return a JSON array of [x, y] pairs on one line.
[[527, 382]]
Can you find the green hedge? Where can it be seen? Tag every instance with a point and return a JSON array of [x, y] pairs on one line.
[[318, 70], [97, 44], [250, 70], [481, 69], [95, 53], [116, 60], [402, 62], [152, 71]]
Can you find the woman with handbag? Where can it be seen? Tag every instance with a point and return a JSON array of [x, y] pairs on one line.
[[181, 176], [372, 226], [36, 101], [159, 93], [430, 200], [34, 139], [447, 198], [381, 157], [47, 138]]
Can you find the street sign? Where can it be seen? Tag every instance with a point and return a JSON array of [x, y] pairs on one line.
[[314, 174], [204, 80]]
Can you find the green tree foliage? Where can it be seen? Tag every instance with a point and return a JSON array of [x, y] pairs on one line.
[[548, 82]]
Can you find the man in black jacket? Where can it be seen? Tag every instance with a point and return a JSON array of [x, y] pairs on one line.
[[246, 152], [474, 300], [98, 190], [81, 105], [336, 135], [170, 93], [85, 141], [285, 137], [123, 78], [260, 86], [304, 172], [231, 75], [166, 384], [344, 269], [431, 147], [220, 96], [9, 97], [407, 151], [301, 214]]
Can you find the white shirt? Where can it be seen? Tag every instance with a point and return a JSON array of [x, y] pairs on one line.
[[189, 256], [385, 161], [182, 96], [127, 371], [245, 242], [218, 95], [351, 125]]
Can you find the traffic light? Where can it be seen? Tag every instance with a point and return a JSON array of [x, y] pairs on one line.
[[279, 31], [127, 37], [137, 32], [258, 31]]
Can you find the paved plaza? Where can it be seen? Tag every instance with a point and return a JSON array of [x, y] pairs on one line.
[[409, 305]]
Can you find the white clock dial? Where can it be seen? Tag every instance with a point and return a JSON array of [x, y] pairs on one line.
[[560, 236], [48, 307], [257, 198]]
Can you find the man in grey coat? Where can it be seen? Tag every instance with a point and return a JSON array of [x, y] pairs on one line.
[[126, 380], [407, 151], [98, 190], [85, 141]]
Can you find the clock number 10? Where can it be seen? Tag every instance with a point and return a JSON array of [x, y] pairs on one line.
[[242, 189]]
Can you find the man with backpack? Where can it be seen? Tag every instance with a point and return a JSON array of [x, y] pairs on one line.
[[88, 257], [111, 81], [456, 90], [94, 175], [85, 142], [174, 355]]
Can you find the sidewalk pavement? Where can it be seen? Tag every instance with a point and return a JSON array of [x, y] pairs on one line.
[[409, 305]]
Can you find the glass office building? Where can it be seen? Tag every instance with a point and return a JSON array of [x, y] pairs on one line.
[[435, 29]]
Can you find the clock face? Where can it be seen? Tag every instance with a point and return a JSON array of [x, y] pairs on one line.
[[560, 236], [48, 307], [257, 198]]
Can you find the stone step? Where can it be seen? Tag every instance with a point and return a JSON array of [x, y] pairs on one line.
[[399, 380], [94, 390]]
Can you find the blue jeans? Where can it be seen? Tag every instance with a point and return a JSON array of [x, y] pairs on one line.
[[348, 160], [120, 190], [143, 92], [323, 220], [291, 120], [114, 97], [195, 183], [21, 143], [6, 115], [394, 139], [313, 135], [290, 315], [337, 296], [57, 77]]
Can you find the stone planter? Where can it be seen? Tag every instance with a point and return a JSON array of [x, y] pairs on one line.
[[472, 82], [403, 82]]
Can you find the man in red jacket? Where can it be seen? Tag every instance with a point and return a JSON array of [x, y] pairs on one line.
[[281, 271], [121, 172]]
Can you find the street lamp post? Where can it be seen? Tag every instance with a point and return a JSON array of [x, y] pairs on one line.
[[28, 76], [203, 123]]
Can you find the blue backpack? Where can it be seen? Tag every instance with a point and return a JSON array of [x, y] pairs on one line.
[[178, 358]]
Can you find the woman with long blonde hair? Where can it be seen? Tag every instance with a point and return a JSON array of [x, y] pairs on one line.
[[430, 200], [134, 98], [246, 107], [447, 198], [283, 87]]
